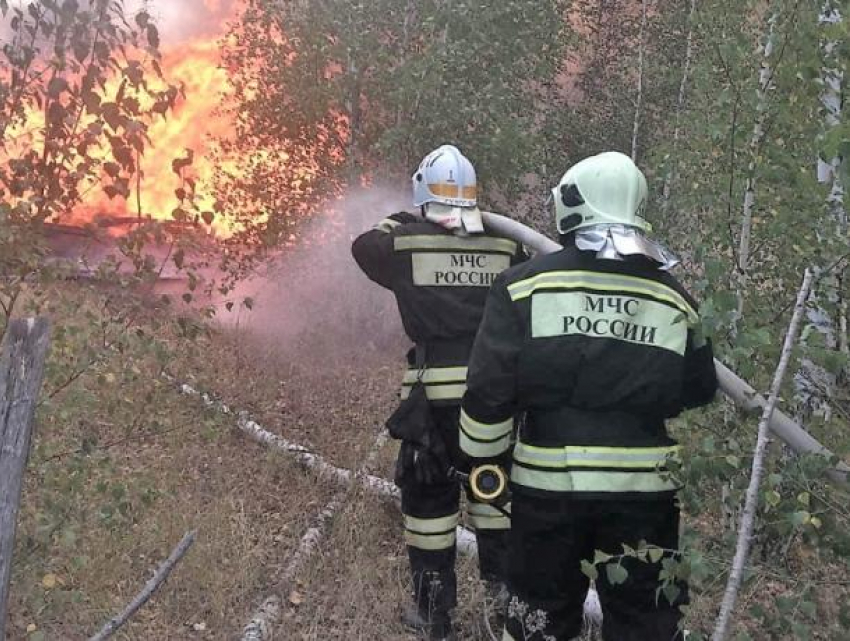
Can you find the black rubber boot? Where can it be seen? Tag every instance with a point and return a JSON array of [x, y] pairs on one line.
[[436, 629]]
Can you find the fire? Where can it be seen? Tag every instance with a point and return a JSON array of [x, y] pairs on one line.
[[193, 125]]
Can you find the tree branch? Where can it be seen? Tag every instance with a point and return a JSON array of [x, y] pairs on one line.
[[742, 549], [150, 587]]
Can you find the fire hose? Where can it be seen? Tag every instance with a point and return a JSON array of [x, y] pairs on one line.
[[738, 390]]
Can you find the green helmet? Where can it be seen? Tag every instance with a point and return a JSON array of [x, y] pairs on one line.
[[606, 189]]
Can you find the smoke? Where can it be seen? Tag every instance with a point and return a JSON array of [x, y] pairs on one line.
[[181, 21], [314, 298]]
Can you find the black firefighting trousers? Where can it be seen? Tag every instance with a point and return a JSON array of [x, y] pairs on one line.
[[431, 514], [550, 537]]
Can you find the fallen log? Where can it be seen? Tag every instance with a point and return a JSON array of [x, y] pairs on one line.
[[738, 390], [302, 455], [267, 617]]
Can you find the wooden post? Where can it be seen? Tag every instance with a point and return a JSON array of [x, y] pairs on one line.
[[21, 371]]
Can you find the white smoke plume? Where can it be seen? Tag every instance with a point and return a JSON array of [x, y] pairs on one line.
[[314, 297], [180, 21]]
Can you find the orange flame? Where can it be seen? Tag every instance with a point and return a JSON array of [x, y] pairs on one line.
[[193, 124]]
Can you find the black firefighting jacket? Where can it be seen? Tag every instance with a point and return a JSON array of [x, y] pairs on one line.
[[597, 354], [440, 281]]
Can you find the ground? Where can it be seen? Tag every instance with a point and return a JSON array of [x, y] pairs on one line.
[[120, 469]]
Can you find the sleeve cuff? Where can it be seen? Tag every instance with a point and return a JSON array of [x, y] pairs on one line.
[[485, 440]]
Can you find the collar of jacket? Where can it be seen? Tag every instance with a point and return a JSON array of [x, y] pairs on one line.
[[618, 242]]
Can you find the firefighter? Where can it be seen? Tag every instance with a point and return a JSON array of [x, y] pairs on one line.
[[439, 264], [596, 345]]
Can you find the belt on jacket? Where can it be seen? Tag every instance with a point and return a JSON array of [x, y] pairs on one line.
[[595, 469], [444, 374], [441, 383]]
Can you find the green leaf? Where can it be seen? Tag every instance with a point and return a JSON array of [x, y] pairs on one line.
[[600, 557], [809, 609], [671, 592], [655, 554], [801, 517], [589, 570], [616, 573]]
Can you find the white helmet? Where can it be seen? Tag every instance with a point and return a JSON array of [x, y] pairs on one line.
[[603, 189], [446, 177]]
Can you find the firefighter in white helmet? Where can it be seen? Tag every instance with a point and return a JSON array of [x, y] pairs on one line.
[[439, 264], [597, 346]]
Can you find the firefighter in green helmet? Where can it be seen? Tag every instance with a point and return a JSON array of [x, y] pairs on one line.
[[597, 345]]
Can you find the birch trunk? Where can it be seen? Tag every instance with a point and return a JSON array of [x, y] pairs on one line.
[[764, 85], [639, 97], [831, 99], [680, 107], [748, 519], [827, 312], [263, 622]]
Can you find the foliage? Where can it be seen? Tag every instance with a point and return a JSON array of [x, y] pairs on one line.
[[365, 89]]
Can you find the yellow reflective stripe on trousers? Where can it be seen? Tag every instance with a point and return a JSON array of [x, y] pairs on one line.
[[437, 525], [439, 392], [485, 431], [430, 541], [387, 225], [471, 243], [431, 534], [436, 375], [477, 449], [615, 283], [581, 456], [486, 517], [593, 481]]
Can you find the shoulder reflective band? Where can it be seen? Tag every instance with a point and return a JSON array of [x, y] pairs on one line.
[[457, 243], [431, 534], [596, 456], [386, 225], [593, 481], [457, 269], [631, 320], [614, 283], [486, 517]]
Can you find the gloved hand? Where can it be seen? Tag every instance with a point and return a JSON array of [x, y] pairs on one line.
[[423, 463], [423, 457]]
